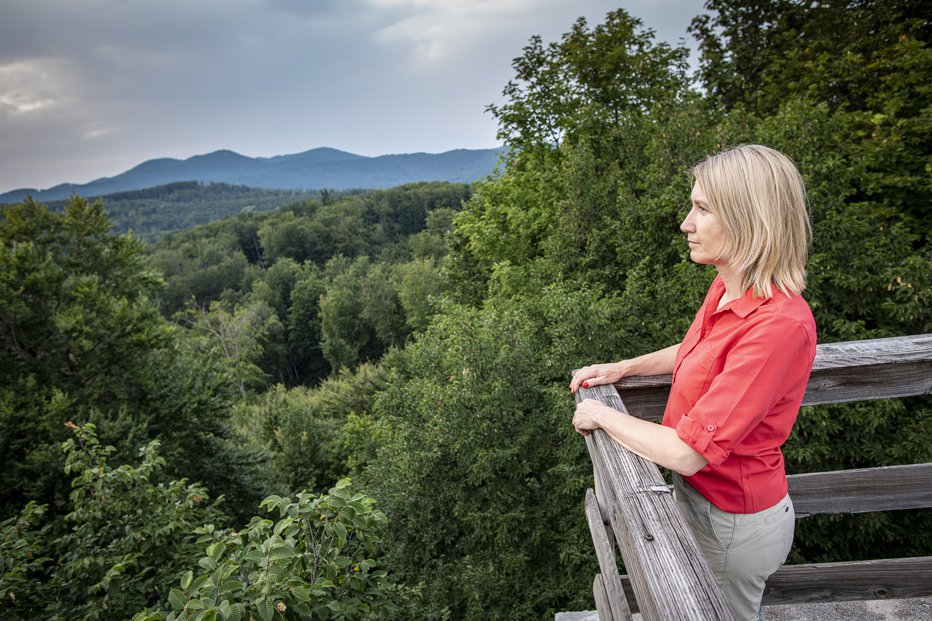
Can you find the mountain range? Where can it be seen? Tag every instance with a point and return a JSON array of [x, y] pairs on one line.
[[319, 169]]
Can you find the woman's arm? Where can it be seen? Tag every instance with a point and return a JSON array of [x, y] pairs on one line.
[[657, 443], [654, 363]]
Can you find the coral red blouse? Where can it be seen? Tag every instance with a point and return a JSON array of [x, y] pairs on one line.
[[738, 381]]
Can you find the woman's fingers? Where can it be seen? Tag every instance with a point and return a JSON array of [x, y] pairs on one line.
[[579, 377], [593, 375], [594, 380]]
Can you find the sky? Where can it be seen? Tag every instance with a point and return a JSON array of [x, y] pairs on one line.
[[91, 88]]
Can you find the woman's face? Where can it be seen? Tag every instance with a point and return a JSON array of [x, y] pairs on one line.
[[704, 233]]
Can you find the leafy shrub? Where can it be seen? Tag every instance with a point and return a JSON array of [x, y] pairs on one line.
[[125, 539], [315, 562]]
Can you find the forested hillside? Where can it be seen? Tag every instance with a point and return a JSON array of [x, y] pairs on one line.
[[419, 340], [154, 212]]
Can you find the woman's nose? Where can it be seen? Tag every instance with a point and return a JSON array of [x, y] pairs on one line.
[[687, 226]]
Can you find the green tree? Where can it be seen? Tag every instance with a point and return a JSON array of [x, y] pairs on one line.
[[129, 542], [868, 61], [205, 264], [345, 339], [241, 335], [76, 305], [420, 288], [480, 470], [85, 342], [304, 329], [593, 82]]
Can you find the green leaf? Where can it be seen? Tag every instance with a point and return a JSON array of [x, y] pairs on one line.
[[300, 593], [195, 604], [230, 586], [264, 608], [239, 612], [302, 609], [216, 550], [186, 579], [256, 556], [177, 599], [282, 552], [198, 584]]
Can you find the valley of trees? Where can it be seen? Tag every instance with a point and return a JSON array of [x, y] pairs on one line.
[[153, 212], [355, 406]]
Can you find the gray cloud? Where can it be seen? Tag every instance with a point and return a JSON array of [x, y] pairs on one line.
[[89, 88]]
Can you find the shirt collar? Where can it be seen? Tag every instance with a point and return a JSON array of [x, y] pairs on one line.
[[743, 306]]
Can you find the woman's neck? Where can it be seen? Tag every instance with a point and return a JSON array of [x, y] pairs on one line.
[[732, 280]]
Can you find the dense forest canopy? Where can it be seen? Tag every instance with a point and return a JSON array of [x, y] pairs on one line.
[[419, 339], [154, 212]]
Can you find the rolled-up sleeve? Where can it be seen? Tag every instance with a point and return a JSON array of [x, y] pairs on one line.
[[760, 369]]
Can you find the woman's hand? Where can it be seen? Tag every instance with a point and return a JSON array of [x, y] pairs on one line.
[[588, 415], [654, 363], [596, 374]]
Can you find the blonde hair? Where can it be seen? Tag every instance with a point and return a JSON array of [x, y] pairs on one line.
[[760, 199]]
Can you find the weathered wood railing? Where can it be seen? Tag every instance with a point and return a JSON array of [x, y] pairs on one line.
[[667, 577]]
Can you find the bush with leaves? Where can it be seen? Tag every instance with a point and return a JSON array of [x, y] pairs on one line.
[[125, 540], [315, 562]]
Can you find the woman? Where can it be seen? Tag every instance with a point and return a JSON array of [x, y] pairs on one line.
[[739, 374]]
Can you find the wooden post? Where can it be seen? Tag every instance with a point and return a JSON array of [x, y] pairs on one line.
[[616, 605]]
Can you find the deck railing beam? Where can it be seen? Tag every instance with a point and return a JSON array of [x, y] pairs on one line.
[[670, 578]]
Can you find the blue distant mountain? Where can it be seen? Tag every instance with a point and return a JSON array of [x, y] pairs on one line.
[[316, 169]]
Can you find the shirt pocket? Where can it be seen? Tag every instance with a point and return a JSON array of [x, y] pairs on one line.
[[692, 374], [690, 339]]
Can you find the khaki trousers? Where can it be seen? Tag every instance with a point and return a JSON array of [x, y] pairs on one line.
[[742, 549]]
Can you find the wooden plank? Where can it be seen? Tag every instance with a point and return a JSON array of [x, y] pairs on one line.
[[823, 582], [838, 582], [669, 576], [842, 372], [604, 552], [602, 605], [862, 490], [871, 352], [867, 382]]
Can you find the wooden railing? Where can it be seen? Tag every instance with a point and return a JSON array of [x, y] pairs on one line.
[[668, 579]]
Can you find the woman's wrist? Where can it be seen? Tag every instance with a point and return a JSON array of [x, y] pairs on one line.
[[624, 368], [603, 412]]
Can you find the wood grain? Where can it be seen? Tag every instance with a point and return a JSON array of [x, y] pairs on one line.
[[862, 490], [602, 603], [838, 582], [605, 553], [879, 579]]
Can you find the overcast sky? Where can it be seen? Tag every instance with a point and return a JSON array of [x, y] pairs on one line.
[[90, 88]]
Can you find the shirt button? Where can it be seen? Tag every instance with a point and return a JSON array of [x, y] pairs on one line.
[[711, 428]]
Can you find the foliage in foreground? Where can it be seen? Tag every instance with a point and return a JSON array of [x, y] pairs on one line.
[[131, 546]]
